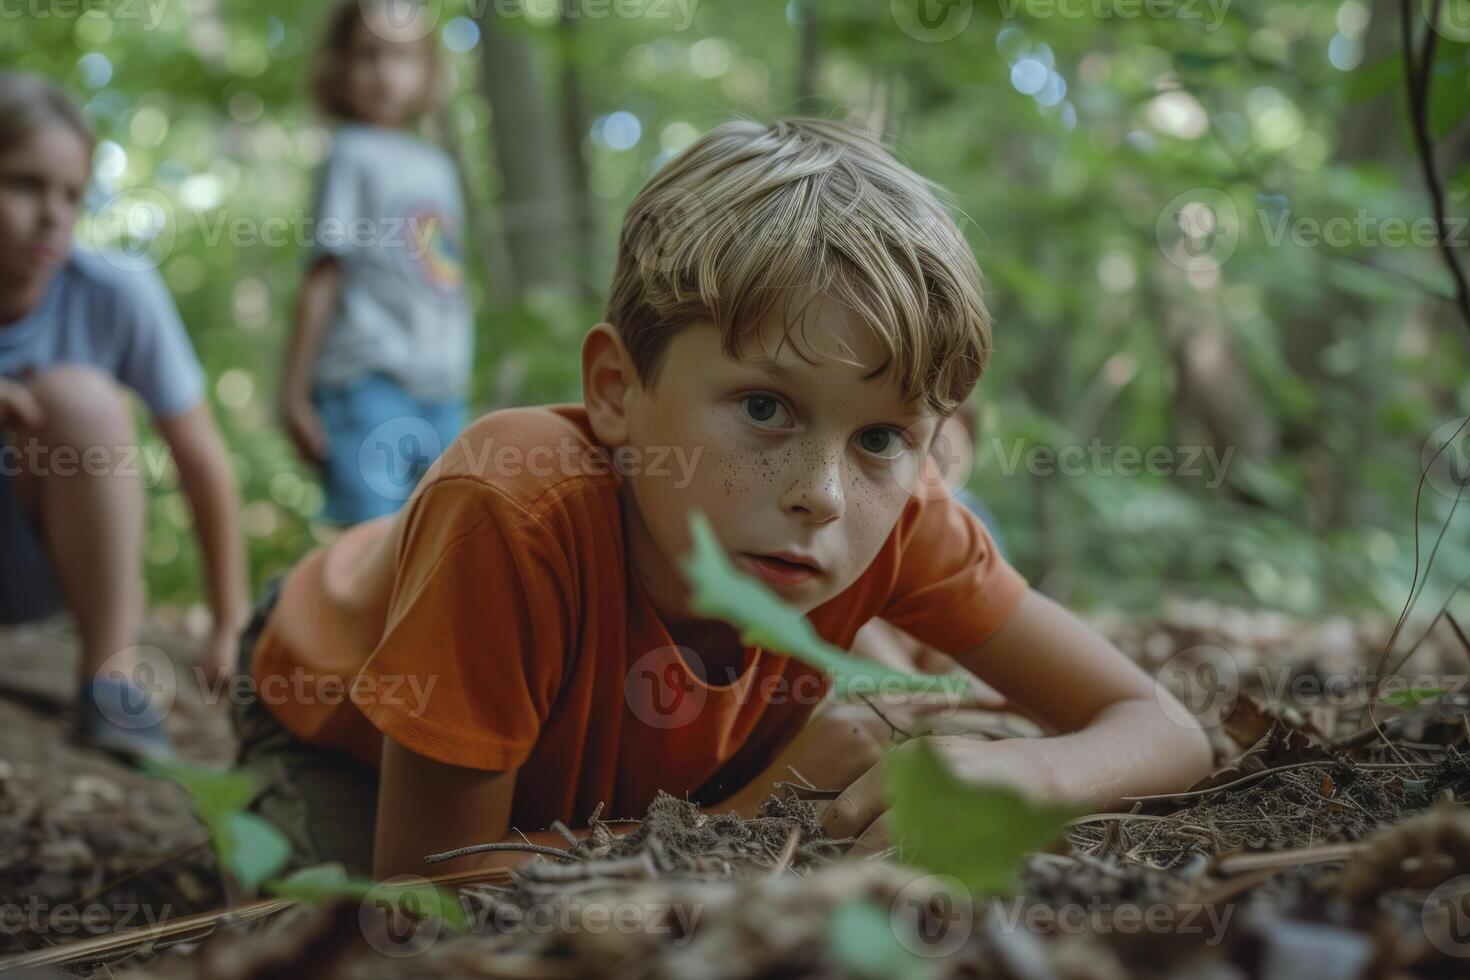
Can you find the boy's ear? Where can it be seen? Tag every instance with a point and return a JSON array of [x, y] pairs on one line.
[[608, 376]]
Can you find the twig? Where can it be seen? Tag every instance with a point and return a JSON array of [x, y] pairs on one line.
[[501, 846], [1454, 625], [1232, 864], [1252, 777], [886, 720], [783, 860], [199, 925], [1418, 69]]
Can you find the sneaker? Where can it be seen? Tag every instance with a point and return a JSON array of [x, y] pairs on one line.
[[118, 717]]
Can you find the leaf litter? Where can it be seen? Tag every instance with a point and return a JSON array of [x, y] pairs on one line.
[[1316, 849]]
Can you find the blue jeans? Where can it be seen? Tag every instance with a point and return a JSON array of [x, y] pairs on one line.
[[381, 439]]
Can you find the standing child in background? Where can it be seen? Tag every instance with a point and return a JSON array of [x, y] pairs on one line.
[[73, 325], [379, 356]]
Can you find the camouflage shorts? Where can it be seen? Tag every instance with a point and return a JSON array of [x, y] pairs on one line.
[[325, 802]]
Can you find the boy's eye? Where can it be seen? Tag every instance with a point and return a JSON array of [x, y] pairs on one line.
[[764, 410], [883, 441]]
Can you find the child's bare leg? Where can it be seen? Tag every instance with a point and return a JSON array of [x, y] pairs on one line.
[[89, 509]]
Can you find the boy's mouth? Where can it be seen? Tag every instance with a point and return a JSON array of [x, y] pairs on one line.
[[779, 570]]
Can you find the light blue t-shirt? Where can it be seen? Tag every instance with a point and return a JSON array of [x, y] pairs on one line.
[[117, 319], [388, 206]]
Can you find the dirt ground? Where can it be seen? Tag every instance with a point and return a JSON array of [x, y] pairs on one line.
[[1318, 849]]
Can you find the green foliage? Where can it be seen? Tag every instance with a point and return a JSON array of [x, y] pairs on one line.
[[1288, 106], [977, 833], [719, 589], [249, 848]]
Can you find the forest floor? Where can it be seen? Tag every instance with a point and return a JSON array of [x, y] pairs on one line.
[[1318, 849]]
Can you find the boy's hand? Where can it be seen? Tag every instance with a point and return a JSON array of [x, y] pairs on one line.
[[218, 655], [18, 405], [839, 743], [860, 811], [304, 426]]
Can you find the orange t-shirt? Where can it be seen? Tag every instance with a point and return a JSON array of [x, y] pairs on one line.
[[494, 624]]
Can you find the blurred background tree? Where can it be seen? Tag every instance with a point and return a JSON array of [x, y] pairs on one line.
[[1141, 183]]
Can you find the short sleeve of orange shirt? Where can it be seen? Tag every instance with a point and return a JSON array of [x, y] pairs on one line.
[[477, 610]]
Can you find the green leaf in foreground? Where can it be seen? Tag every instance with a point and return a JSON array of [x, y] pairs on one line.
[[256, 851], [214, 792], [320, 883], [1413, 696], [327, 882], [250, 848], [860, 933], [721, 590], [977, 833]]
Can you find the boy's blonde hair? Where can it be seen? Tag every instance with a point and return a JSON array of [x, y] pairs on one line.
[[750, 214]]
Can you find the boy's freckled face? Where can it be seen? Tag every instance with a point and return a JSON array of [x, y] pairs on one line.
[[807, 458]]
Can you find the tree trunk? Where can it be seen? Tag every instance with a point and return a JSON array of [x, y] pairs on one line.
[[574, 129], [536, 206]]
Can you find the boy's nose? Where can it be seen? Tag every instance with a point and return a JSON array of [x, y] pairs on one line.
[[816, 493]]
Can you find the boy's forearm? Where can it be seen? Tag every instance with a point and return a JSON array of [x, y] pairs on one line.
[[208, 481], [209, 484], [1132, 748]]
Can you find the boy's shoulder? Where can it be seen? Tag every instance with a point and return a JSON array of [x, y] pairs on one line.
[[100, 268], [119, 278], [532, 455]]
